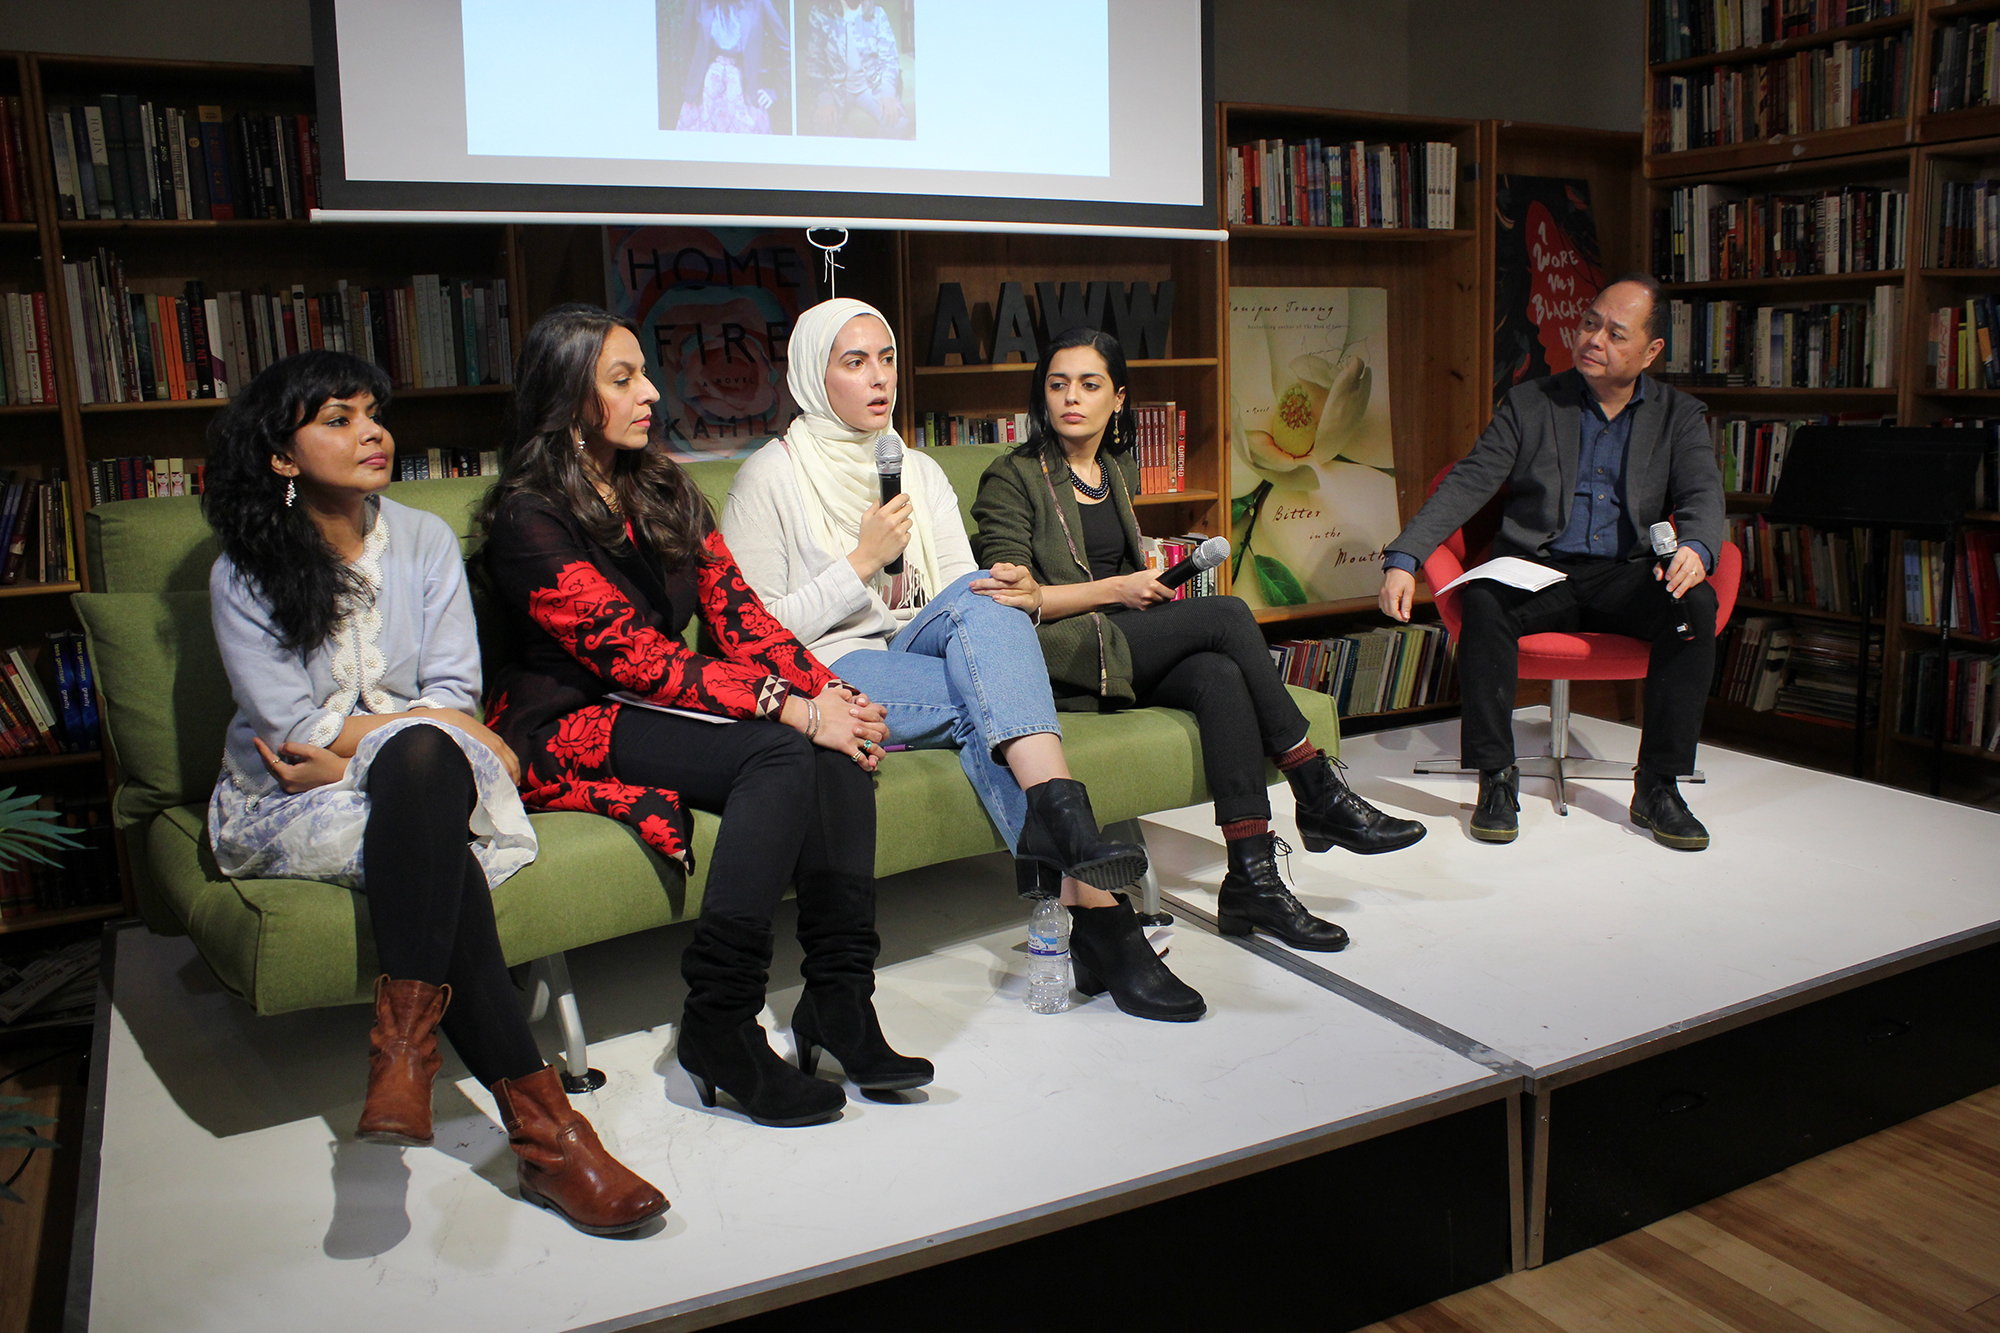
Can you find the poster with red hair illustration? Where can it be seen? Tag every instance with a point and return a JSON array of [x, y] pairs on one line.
[[1548, 270]]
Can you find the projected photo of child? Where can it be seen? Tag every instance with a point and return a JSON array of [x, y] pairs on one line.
[[725, 67], [857, 68]]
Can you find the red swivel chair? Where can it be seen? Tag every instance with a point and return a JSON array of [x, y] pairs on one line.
[[1556, 657]]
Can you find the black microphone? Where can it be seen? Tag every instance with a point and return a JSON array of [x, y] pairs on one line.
[[1665, 544], [1206, 556], [889, 463]]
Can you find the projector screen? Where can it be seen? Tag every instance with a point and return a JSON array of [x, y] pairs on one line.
[[1042, 115]]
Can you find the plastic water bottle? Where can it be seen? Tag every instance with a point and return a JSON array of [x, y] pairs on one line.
[[1049, 976]]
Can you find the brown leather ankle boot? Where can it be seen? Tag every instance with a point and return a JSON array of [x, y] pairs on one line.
[[563, 1167], [402, 1060]]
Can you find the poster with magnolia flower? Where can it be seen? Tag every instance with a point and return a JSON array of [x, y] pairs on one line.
[[1313, 470], [715, 310]]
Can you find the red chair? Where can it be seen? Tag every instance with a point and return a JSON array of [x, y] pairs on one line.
[[1557, 657]]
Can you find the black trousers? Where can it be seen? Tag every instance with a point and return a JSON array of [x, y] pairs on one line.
[[1608, 596], [1206, 654], [792, 812], [428, 904]]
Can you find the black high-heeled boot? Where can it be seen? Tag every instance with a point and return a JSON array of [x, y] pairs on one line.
[[1110, 952], [1254, 896], [1330, 812], [837, 1011], [722, 1045], [1061, 831]]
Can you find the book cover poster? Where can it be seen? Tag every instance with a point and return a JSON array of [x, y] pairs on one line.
[[1313, 469], [715, 310], [1547, 272]]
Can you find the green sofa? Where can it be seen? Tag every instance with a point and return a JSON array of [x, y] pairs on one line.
[[286, 944]]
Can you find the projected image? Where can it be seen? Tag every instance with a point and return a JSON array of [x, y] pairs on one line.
[[725, 67], [857, 68]]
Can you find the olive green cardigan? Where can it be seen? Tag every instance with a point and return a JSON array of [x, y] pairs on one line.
[[1028, 515]]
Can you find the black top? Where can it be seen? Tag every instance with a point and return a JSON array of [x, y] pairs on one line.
[[1103, 539]]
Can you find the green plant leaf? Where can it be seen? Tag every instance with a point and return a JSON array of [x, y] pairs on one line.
[[10, 1196], [25, 1141], [1279, 586], [28, 833]]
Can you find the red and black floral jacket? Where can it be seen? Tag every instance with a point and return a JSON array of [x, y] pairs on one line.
[[585, 622]]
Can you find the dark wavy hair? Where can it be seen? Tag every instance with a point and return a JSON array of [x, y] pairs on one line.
[[555, 395], [276, 546], [1120, 435]]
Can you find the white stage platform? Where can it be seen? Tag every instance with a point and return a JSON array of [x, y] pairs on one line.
[[231, 1195]]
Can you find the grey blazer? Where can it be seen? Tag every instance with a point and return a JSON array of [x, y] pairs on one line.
[[1531, 447]]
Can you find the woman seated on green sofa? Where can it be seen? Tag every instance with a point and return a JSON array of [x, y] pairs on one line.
[[346, 628], [1056, 523]]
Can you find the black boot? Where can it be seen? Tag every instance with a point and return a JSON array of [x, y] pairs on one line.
[[1657, 805], [1498, 816], [1062, 832], [1330, 813], [721, 1043], [1254, 896], [837, 1011], [1111, 953], [1035, 881]]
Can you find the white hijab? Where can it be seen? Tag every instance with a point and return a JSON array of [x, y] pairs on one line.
[[834, 463]]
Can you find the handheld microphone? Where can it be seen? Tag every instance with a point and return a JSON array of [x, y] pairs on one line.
[[1206, 556], [1665, 544], [889, 465]]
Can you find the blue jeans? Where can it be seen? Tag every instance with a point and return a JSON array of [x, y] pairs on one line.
[[967, 672]]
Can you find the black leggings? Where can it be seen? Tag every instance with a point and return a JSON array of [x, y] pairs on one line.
[[791, 811], [1205, 654], [428, 902]]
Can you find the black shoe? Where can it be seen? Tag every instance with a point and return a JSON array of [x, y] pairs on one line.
[[1062, 832], [843, 1021], [1254, 897], [1498, 818], [837, 1010], [1657, 805], [1111, 953], [1035, 881], [1330, 814], [721, 1044]]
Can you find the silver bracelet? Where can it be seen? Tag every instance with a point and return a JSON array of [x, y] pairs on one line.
[[812, 719]]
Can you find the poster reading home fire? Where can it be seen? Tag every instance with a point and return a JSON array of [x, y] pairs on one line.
[[1313, 470], [1547, 271], [715, 310]]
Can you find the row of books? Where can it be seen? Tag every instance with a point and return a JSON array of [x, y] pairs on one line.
[[37, 536], [1848, 83], [1165, 552], [432, 464], [1683, 29], [1797, 668], [34, 722], [127, 159], [1806, 566], [151, 346], [1967, 234], [1967, 683], [1376, 670], [27, 364], [17, 197], [82, 876], [143, 477], [1312, 183], [1162, 448], [938, 430], [1711, 233], [1962, 347], [1823, 345], [1964, 70], [1751, 450], [1975, 592]]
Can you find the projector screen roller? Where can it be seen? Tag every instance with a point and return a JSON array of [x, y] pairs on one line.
[[1044, 115]]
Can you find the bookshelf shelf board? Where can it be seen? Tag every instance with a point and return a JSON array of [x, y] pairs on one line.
[[38, 589], [1958, 393], [19, 228], [1744, 55], [1407, 234], [1965, 9], [1437, 707], [1963, 274], [1796, 609], [1871, 278], [1008, 367], [180, 224], [1779, 148], [1746, 500], [1924, 743], [1972, 122], [173, 404], [29, 409], [1347, 606], [1958, 636], [1982, 515], [69, 917], [1751, 391], [1177, 498], [30, 763]]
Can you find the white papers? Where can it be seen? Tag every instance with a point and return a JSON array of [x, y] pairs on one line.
[[1512, 571], [627, 697]]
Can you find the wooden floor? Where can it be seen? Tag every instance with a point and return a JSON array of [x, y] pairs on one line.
[[1898, 1231]]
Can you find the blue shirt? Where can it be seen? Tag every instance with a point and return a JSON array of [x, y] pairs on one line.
[[1597, 523]]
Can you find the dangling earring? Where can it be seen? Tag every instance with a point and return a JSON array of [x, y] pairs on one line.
[[576, 438], [291, 492]]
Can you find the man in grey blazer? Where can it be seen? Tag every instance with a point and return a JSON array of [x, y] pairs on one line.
[[1590, 459]]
